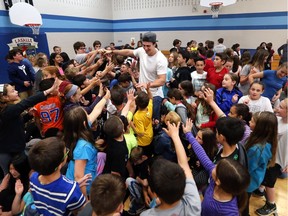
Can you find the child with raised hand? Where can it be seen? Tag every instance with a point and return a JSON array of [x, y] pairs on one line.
[[230, 132], [261, 148], [254, 100], [221, 197], [79, 139], [205, 116], [49, 114], [173, 183], [73, 96], [207, 138], [142, 119], [12, 135], [229, 94]]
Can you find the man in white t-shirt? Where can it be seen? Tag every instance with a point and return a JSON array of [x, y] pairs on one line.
[[153, 68]]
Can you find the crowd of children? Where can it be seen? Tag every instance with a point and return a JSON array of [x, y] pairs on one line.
[[103, 130]]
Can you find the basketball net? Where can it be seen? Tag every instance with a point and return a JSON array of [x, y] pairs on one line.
[[215, 6], [35, 28]]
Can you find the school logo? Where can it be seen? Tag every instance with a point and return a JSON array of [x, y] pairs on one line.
[[26, 44]]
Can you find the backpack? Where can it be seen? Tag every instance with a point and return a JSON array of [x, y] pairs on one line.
[[31, 210]]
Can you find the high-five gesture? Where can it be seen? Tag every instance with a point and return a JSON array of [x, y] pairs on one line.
[[188, 126]]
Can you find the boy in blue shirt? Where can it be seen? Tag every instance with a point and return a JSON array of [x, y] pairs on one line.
[[52, 192]]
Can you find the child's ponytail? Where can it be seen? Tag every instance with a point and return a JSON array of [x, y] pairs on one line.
[[242, 200]]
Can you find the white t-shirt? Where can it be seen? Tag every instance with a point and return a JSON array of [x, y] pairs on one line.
[[151, 67], [198, 80], [260, 105], [220, 48], [282, 148], [81, 58]]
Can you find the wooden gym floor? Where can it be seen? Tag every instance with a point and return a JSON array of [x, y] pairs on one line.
[[281, 188]]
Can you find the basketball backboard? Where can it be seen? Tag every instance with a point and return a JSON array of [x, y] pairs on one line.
[[23, 13]]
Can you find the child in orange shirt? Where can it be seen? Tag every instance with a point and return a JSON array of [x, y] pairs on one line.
[[49, 113]]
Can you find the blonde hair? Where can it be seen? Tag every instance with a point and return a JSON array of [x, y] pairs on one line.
[[172, 117]]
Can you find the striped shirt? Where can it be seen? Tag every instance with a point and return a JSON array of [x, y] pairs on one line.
[[57, 198]]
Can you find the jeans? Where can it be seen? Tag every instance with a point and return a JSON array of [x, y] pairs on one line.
[[157, 100]]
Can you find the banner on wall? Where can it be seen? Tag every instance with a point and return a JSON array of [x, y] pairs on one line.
[[29, 44], [26, 44]]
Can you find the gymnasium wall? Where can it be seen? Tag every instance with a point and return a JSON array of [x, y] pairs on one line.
[[248, 22]]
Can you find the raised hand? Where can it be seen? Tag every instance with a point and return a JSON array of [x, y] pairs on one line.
[[130, 95], [235, 98], [19, 188], [108, 94], [54, 87], [101, 90], [188, 126], [173, 129], [208, 95]]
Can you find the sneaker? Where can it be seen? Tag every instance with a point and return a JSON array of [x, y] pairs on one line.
[[267, 209], [258, 193], [136, 208]]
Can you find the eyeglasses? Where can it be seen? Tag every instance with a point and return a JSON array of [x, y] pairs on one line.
[[82, 48]]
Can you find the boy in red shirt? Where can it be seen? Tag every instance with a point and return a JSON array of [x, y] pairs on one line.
[[216, 74]]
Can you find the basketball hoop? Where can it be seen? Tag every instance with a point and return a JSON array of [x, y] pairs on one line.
[[35, 28], [215, 6]]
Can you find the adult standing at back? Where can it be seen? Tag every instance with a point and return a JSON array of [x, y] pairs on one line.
[[153, 68], [220, 47], [20, 74], [283, 53]]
